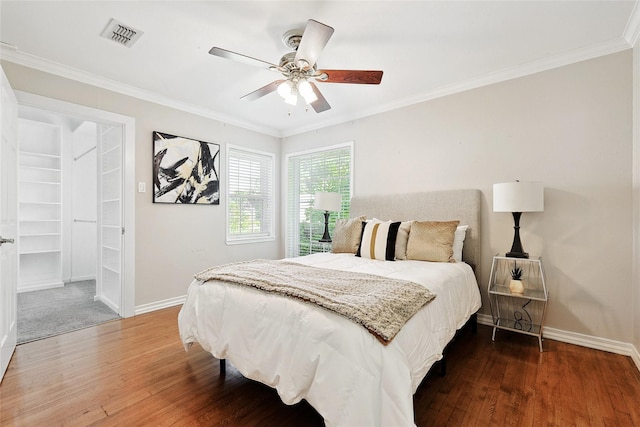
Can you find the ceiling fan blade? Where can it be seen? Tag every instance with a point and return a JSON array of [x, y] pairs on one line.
[[367, 77], [314, 39], [320, 104], [264, 90], [223, 53]]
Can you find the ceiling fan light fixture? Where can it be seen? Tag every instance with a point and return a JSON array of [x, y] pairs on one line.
[[305, 89], [292, 98], [285, 88]]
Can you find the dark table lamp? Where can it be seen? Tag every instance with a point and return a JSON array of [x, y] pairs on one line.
[[517, 197], [327, 202]]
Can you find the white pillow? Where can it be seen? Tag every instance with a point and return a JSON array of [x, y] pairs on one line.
[[458, 242]]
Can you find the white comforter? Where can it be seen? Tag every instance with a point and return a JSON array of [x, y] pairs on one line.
[[306, 352]]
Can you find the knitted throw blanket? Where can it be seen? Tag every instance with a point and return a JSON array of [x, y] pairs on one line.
[[380, 304]]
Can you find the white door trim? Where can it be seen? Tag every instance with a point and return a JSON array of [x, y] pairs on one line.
[[127, 308]]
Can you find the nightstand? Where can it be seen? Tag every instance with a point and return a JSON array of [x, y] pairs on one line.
[[521, 312]]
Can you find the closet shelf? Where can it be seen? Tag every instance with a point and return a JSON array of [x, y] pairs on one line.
[[113, 170], [41, 251], [109, 150], [114, 270], [34, 154], [40, 182], [40, 168], [30, 202]]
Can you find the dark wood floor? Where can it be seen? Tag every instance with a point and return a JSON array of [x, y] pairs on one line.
[[134, 372]]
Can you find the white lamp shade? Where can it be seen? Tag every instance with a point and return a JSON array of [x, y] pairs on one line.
[[328, 201], [518, 197]]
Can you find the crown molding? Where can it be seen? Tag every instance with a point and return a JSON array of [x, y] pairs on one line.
[[556, 61], [12, 54], [632, 31]]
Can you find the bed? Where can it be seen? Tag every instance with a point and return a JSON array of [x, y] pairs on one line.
[[345, 372]]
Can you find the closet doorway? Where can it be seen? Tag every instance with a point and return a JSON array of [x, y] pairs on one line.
[[73, 164]]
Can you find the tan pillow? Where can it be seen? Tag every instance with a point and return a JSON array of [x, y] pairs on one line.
[[346, 235], [432, 241], [403, 239]]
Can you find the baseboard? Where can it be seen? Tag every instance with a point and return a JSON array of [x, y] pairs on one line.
[[596, 343], [80, 279], [40, 287], [159, 305], [635, 356]]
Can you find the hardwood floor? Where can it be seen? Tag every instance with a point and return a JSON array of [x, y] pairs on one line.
[[134, 372]]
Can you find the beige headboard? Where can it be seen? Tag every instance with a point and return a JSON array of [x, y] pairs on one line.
[[463, 205]]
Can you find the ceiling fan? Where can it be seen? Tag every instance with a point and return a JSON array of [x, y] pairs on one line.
[[299, 68]]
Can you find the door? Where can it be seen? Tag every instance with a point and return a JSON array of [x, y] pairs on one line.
[[8, 222]]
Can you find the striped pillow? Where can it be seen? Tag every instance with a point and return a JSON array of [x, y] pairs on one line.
[[378, 240]]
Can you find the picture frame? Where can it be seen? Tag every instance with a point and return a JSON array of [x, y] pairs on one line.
[[185, 170]]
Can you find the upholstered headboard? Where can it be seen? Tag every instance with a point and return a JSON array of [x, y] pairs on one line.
[[463, 205]]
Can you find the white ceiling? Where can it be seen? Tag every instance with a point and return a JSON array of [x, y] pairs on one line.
[[426, 49]]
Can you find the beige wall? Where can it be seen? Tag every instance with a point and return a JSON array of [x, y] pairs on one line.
[[172, 242], [571, 128]]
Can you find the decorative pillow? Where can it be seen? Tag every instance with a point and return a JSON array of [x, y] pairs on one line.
[[402, 238], [458, 242], [346, 235], [378, 240], [432, 241]]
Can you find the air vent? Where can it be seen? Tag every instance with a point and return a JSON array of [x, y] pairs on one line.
[[121, 33]]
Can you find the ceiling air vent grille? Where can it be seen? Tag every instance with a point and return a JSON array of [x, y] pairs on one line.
[[121, 33]]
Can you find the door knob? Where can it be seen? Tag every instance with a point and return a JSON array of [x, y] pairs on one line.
[[3, 240]]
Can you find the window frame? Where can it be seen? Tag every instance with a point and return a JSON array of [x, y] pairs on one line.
[[235, 239], [288, 157]]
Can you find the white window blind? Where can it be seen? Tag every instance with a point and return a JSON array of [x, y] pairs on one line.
[[328, 169], [249, 195]]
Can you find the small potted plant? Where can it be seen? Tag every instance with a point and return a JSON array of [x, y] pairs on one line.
[[516, 286]]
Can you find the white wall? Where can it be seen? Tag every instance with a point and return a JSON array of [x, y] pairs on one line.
[[84, 203], [571, 128], [172, 241]]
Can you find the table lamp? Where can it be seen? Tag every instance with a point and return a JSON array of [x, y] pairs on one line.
[[327, 202], [517, 197]]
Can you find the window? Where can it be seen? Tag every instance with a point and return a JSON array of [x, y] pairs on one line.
[[249, 195], [326, 169]]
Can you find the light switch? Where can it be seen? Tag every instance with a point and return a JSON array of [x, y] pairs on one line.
[[142, 187]]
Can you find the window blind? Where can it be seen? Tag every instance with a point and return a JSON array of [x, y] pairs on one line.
[[328, 169], [249, 195]]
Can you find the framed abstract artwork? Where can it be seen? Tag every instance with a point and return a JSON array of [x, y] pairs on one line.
[[185, 170]]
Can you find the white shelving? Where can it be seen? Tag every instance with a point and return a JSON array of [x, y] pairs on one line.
[[110, 213], [39, 206]]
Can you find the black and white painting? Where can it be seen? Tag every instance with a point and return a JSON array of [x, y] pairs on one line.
[[185, 170]]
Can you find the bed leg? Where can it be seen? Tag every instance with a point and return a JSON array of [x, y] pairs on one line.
[[443, 367], [474, 323], [223, 366]]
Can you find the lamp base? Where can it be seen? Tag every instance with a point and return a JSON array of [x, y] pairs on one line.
[[326, 238], [516, 248]]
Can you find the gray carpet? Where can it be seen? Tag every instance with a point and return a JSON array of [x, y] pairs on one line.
[[55, 311]]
